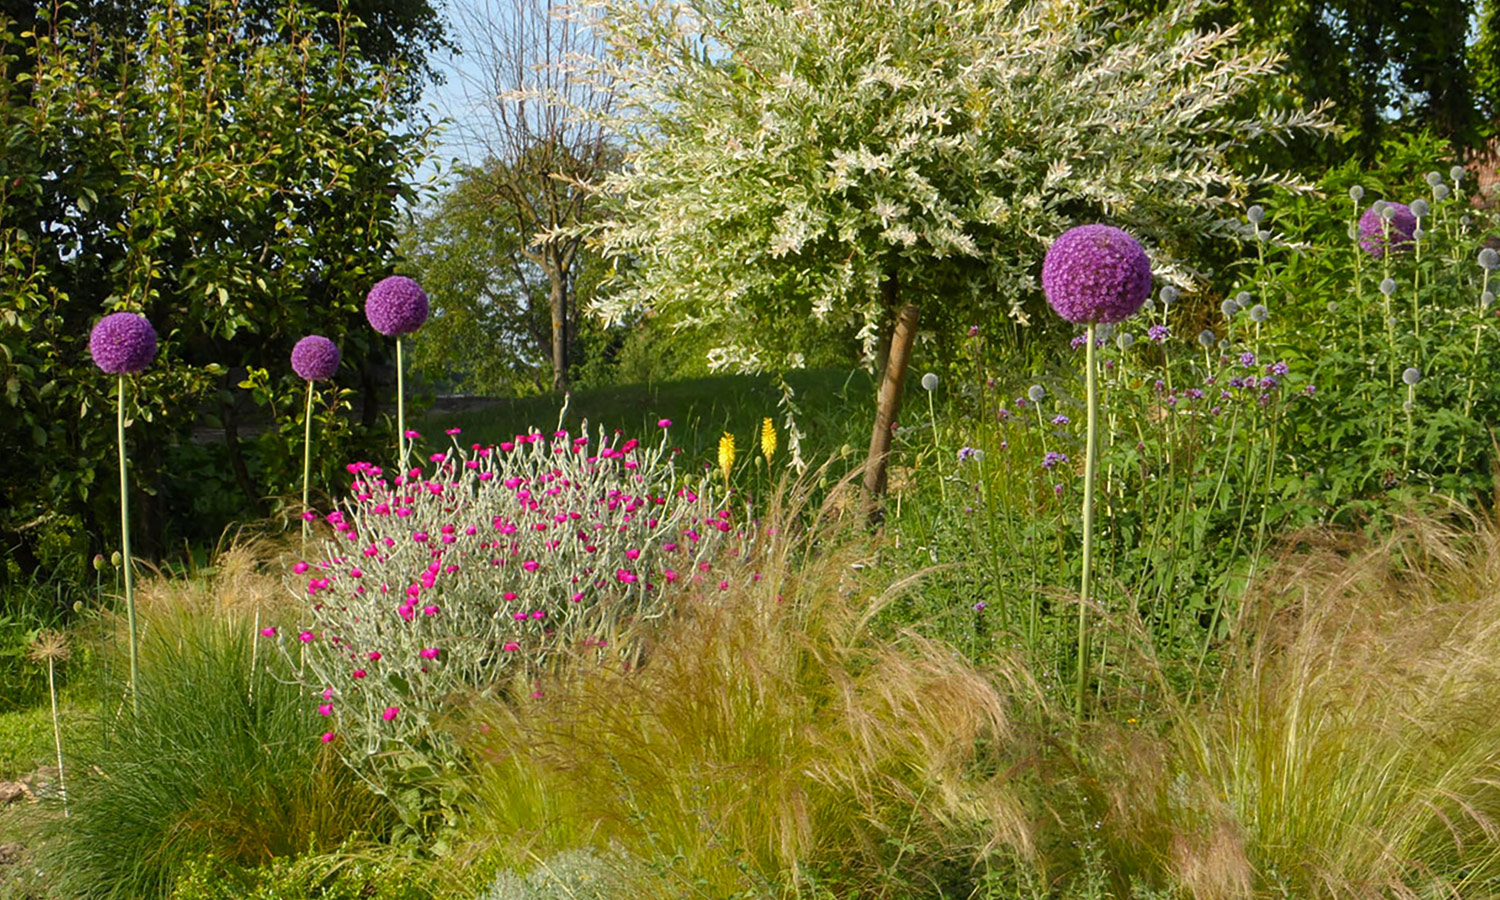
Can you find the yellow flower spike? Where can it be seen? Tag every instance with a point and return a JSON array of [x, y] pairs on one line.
[[726, 456], [767, 439]]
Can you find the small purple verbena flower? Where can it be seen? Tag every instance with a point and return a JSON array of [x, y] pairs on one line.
[[1079, 341], [315, 358], [1372, 234], [1310, 390], [1159, 333], [123, 343], [1057, 490], [1096, 273], [1061, 420], [396, 305], [1278, 368], [1247, 359], [1053, 458], [1004, 414], [973, 331], [1194, 393], [980, 606]]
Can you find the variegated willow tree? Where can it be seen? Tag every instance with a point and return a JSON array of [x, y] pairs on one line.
[[854, 164]]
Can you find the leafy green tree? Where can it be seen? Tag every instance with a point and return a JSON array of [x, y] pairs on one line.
[[239, 189], [839, 164]]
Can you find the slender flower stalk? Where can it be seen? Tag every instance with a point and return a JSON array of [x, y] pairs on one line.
[[1093, 274], [929, 384], [51, 647], [397, 306], [124, 344]]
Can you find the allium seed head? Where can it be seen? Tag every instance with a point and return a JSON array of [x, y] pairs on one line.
[[1036, 393], [1489, 259], [1411, 375], [396, 305], [929, 381], [1229, 308], [1206, 338], [1096, 273], [1434, 178], [1124, 340], [1441, 192], [1333, 307], [1168, 295], [315, 358], [1356, 193], [123, 343], [1259, 313], [1388, 286], [1256, 214], [1419, 208], [1242, 299], [1456, 173]]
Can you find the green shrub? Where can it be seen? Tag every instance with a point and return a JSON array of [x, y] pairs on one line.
[[344, 875]]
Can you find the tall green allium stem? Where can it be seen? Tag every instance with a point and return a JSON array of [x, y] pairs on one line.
[[307, 459], [1474, 356], [62, 782], [1091, 379], [125, 545], [401, 445], [932, 417]]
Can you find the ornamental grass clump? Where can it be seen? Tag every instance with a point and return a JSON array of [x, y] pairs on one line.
[[123, 344], [1093, 274], [468, 576]]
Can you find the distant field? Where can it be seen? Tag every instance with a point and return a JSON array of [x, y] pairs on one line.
[[836, 408]]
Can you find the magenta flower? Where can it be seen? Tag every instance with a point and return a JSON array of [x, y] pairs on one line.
[[429, 653], [1372, 230], [123, 343], [315, 358], [1096, 273], [325, 709], [327, 737], [396, 305], [390, 713]]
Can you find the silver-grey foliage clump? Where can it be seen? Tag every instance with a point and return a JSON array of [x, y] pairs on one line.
[[491, 562], [830, 148], [570, 875]]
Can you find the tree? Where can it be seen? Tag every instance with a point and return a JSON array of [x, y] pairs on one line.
[[846, 164], [542, 143], [241, 190]]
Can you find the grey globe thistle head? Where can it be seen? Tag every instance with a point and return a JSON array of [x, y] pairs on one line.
[[1419, 208], [1487, 298], [1456, 173], [1229, 308], [1489, 260], [1466, 220], [1356, 193], [1333, 307], [1262, 236], [1124, 340], [1096, 273], [1259, 313], [1379, 207], [1388, 286], [315, 358], [1419, 233], [396, 305], [1168, 295], [1036, 393], [1395, 218], [123, 343], [1256, 214], [1206, 338], [1441, 192], [1434, 178], [1223, 343], [1411, 375], [1243, 299], [930, 381], [1148, 307]]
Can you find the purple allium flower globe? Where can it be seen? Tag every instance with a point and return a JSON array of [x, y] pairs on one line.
[[123, 343], [315, 358], [396, 305], [1372, 230], [1096, 273]]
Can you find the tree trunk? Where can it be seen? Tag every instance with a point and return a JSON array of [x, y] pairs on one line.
[[558, 300], [888, 401]]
